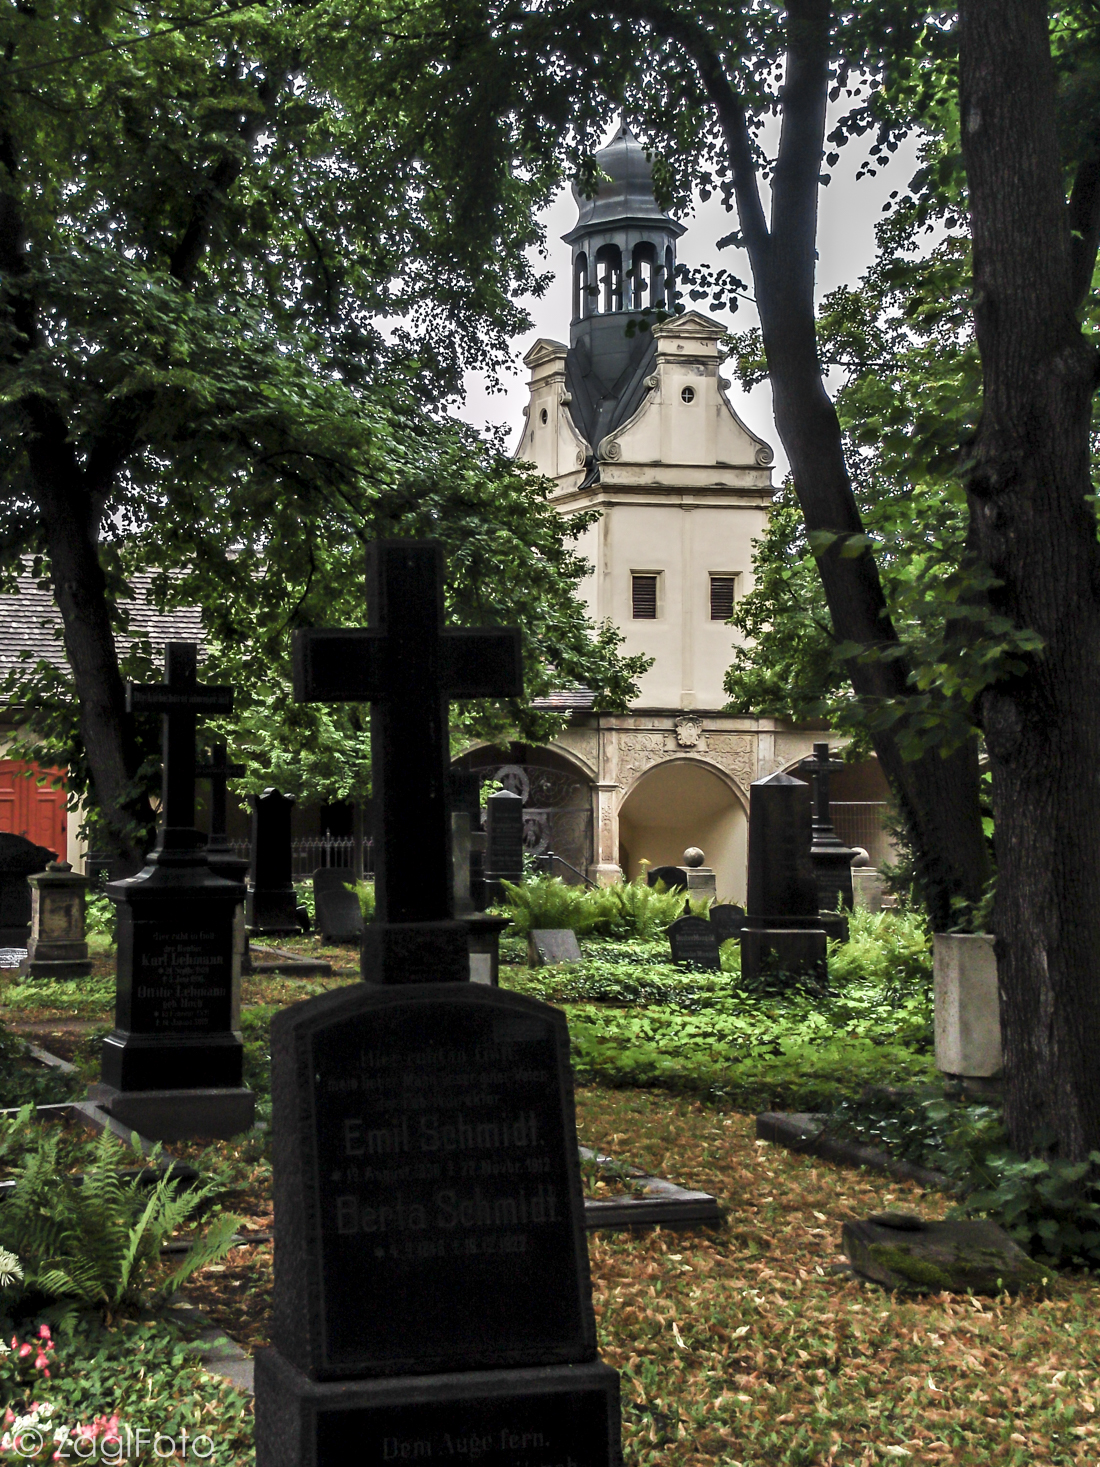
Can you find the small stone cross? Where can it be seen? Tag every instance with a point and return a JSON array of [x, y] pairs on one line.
[[819, 769], [408, 666], [218, 771], [181, 698]]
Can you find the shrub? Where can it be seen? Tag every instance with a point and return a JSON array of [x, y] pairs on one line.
[[626, 910], [364, 890], [548, 901], [1050, 1206], [94, 1240]]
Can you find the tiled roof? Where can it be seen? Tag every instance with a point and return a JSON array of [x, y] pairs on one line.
[[30, 622], [573, 699]]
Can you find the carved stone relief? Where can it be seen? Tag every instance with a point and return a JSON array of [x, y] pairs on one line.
[[637, 753], [736, 754]]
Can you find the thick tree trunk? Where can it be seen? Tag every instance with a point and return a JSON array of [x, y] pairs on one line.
[[1032, 523], [70, 519], [938, 797]]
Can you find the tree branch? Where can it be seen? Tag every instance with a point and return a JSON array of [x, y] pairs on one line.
[[696, 41], [801, 144]]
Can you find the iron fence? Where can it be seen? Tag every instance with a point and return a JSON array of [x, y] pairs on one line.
[[860, 823], [322, 850]]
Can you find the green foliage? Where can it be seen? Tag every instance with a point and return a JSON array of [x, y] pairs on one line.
[[364, 890], [1050, 1206], [627, 909], [24, 1081], [95, 1241], [645, 1022]]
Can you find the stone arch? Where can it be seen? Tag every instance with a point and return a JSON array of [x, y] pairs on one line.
[[680, 802], [557, 789]]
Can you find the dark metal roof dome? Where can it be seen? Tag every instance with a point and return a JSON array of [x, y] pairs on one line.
[[625, 196]]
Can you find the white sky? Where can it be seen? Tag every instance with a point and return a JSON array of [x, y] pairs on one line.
[[849, 212]]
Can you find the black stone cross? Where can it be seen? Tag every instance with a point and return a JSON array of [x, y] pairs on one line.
[[181, 698], [819, 768], [408, 667], [218, 771]]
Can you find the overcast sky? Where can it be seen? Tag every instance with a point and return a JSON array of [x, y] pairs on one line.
[[846, 247]]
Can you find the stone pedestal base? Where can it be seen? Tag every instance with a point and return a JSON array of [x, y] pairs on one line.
[[795, 950], [415, 952], [547, 1416], [179, 1115], [66, 968], [867, 888], [835, 925], [967, 1006], [702, 882]]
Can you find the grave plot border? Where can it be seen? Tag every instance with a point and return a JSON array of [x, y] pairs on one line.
[[804, 1133], [666, 1204]]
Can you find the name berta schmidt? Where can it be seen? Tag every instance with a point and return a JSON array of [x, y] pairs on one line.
[[433, 1134]]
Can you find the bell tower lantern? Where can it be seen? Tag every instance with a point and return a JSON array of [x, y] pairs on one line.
[[624, 260]]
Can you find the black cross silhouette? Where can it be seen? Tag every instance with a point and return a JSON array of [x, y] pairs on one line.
[[182, 699], [819, 768], [217, 772], [408, 667]]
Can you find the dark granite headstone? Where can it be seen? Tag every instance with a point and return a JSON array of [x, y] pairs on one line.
[[408, 666], [431, 1292], [171, 1069], [272, 901], [727, 921], [550, 945], [693, 942], [831, 858], [504, 842], [19, 858], [673, 877], [339, 915], [220, 855], [782, 928]]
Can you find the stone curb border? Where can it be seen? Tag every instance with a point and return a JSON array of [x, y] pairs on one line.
[[666, 1204], [804, 1133]]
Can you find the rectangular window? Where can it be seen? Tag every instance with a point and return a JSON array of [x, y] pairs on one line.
[[721, 597], [643, 596]]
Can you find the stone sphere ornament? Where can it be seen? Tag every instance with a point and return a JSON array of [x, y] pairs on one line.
[[693, 856]]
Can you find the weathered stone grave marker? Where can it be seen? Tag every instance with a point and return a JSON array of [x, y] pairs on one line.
[[693, 942], [782, 924], [727, 921], [172, 1066], [702, 881], [550, 945], [339, 915], [431, 1275], [830, 857], [58, 947], [272, 901], [220, 855]]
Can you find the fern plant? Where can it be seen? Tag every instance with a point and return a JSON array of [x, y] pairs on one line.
[[94, 1240]]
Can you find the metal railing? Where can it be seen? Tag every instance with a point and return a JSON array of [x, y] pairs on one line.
[[860, 823], [323, 850]]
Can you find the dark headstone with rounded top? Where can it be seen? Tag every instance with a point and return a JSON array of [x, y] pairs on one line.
[[19, 858], [674, 877], [782, 928], [339, 915]]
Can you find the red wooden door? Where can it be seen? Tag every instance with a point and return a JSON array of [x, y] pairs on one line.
[[34, 810]]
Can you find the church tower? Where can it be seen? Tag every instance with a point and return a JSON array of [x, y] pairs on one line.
[[631, 419]]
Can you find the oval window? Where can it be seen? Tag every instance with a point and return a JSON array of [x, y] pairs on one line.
[[688, 394], [544, 416]]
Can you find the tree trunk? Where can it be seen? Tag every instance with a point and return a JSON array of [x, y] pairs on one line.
[[70, 519], [938, 796], [1032, 523]]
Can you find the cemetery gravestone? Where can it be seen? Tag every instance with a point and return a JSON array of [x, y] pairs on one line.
[[504, 842], [550, 945], [58, 948], [782, 925], [727, 921], [19, 858], [339, 915], [272, 901], [431, 1292], [172, 1067], [831, 858], [407, 665], [693, 942], [674, 877]]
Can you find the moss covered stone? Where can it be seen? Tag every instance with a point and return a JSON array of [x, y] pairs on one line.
[[932, 1257]]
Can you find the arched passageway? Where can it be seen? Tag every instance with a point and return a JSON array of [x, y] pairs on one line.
[[683, 803]]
